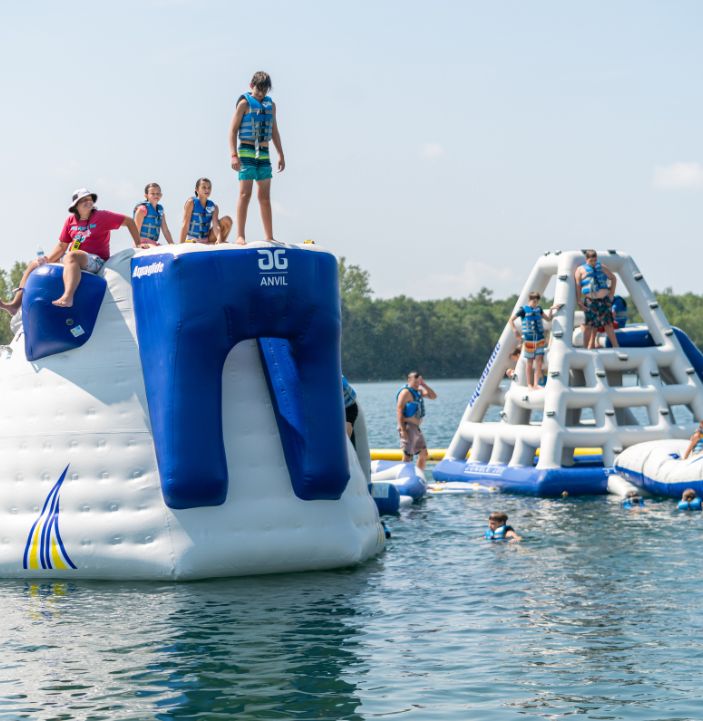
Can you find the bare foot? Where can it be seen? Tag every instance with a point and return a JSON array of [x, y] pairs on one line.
[[63, 302], [13, 306], [240, 240]]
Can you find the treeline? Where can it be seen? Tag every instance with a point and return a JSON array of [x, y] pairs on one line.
[[448, 338]]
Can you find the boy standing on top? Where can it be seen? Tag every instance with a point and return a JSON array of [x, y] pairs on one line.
[[254, 121]]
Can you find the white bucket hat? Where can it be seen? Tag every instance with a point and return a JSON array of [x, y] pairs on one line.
[[79, 195]]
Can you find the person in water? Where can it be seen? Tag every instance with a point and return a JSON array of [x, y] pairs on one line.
[[351, 409], [201, 217], [690, 501], [410, 410], [498, 528], [633, 502], [256, 124], [84, 244], [150, 217], [532, 334], [595, 289], [695, 442]]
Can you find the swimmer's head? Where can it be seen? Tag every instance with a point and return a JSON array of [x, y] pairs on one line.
[[497, 519], [688, 495]]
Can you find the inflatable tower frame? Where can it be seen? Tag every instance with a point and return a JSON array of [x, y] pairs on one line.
[[585, 402]]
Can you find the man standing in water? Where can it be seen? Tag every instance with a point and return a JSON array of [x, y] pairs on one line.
[[410, 410]]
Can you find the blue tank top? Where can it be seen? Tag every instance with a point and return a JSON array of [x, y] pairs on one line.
[[200, 219], [151, 225]]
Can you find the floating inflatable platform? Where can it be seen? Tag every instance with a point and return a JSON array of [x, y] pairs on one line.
[[407, 479], [183, 420], [659, 468], [609, 398]]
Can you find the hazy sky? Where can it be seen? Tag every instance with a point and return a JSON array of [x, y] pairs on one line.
[[441, 146]]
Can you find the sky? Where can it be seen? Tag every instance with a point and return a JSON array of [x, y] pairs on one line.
[[440, 146]]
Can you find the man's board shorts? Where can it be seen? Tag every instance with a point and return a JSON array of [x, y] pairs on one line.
[[253, 168], [532, 348], [94, 265], [414, 440], [599, 312]]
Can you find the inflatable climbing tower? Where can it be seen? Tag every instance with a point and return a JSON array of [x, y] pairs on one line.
[[564, 437], [183, 420]]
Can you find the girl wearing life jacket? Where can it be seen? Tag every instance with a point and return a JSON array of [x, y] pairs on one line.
[[689, 501], [498, 530], [595, 288], [150, 218], [201, 221], [695, 442], [254, 122], [532, 334]]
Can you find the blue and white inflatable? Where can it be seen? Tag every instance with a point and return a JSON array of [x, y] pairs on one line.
[[396, 484], [183, 420]]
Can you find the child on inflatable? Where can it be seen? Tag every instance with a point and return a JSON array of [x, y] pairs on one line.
[[498, 530], [84, 244], [254, 121], [690, 501], [633, 502], [695, 445], [533, 339], [150, 218], [201, 221]]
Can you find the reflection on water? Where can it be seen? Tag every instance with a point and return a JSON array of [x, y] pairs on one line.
[[595, 616]]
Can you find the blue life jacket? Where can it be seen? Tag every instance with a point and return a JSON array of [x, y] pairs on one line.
[[415, 407], [257, 124], [151, 225], [694, 505], [620, 311], [499, 534], [594, 279], [532, 328], [698, 447], [200, 219], [349, 393], [627, 504]]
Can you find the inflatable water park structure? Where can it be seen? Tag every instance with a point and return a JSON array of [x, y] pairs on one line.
[[566, 436], [184, 419]]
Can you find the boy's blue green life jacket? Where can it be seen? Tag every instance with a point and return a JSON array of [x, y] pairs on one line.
[[200, 218], [694, 505], [257, 124], [151, 225], [594, 279], [499, 534], [349, 393], [532, 328], [415, 407]]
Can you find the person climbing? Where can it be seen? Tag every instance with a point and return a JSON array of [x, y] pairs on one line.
[[595, 288]]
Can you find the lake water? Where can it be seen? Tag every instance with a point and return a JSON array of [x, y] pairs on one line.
[[596, 615]]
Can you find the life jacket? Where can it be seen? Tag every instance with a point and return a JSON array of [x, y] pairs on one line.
[[627, 504], [151, 225], [620, 311], [499, 534], [532, 328], [200, 218], [415, 407], [594, 279], [349, 393], [694, 505], [257, 124]]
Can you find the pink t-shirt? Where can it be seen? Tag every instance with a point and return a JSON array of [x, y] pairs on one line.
[[92, 235]]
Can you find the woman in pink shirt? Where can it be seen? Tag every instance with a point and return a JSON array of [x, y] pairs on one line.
[[84, 244]]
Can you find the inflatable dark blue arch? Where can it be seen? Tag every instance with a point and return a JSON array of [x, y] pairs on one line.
[[191, 309]]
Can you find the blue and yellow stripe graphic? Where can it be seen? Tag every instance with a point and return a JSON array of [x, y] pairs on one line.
[[44, 547]]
